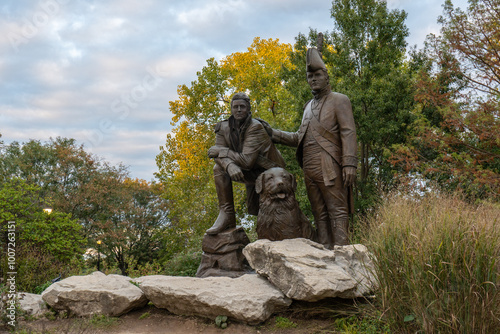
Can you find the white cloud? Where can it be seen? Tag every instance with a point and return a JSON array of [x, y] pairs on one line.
[[178, 65], [214, 14], [50, 73], [67, 78]]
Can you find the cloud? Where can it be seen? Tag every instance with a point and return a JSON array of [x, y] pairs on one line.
[[85, 72], [133, 148], [210, 17]]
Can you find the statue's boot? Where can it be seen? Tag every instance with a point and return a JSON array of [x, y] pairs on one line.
[[322, 233], [227, 217], [340, 230]]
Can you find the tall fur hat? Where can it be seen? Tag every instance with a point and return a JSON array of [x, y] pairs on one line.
[[314, 61]]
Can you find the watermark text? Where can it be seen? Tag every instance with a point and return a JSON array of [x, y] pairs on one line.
[[10, 308]]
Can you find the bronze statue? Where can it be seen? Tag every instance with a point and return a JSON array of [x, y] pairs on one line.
[[242, 150], [326, 151], [280, 216]]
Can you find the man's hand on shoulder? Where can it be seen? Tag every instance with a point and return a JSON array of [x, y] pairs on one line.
[[266, 126]]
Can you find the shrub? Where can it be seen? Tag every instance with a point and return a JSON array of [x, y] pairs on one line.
[[437, 260], [149, 268], [185, 263], [37, 268], [44, 245]]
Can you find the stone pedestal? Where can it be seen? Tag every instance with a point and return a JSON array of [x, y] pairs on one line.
[[222, 254]]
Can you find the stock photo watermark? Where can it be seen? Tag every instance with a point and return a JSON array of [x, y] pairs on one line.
[[31, 25], [10, 308], [121, 107]]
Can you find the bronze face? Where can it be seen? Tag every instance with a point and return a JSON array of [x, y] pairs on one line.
[[239, 110], [317, 80]]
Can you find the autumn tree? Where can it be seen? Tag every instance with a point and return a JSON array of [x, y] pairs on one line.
[[126, 215], [70, 179], [259, 70], [457, 139], [133, 235], [184, 167]]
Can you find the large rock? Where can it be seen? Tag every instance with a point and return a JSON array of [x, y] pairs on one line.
[[111, 295], [249, 298], [32, 304], [305, 270]]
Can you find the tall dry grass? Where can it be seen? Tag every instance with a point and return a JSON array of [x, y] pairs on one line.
[[438, 264]]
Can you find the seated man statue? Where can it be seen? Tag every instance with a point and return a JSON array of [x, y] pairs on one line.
[[243, 150]]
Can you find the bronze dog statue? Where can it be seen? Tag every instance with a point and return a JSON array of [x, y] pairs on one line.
[[279, 215]]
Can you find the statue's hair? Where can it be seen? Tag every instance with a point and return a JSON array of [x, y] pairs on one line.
[[242, 96]]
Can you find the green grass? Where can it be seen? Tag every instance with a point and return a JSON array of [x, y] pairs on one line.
[[145, 315], [437, 260], [283, 322], [356, 325], [102, 321]]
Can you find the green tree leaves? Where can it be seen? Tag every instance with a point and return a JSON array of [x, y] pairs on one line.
[[45, 245], [56, 233], [367, 61], [127, 215]]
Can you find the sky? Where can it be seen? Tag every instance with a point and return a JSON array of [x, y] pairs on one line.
[[103, 72]]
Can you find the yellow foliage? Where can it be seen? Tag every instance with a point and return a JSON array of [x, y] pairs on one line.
[[257, 72], [198, 108], [184, 167]]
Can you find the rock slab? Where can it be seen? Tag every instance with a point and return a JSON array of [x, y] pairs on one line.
[[97, 293], [305, 270], [250, 298]]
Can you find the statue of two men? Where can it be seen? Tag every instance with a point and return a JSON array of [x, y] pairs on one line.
[[326, 151]]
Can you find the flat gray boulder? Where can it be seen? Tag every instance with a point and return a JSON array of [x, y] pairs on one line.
[[250, 298], [32, 304], [97, 293], [305, 270]]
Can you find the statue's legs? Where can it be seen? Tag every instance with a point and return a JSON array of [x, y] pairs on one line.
[[224, 187], [320, 212], [340, 231], [330, 208]]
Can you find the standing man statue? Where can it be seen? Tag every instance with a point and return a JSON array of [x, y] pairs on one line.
[[243, 150], [327, 152]]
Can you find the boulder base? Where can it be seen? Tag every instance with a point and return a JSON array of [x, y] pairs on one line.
[[111, 295], [222, 254], [250, 298], [305, 270], [225, 242]]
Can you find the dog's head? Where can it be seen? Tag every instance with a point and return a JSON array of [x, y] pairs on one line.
[[275, 183]]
